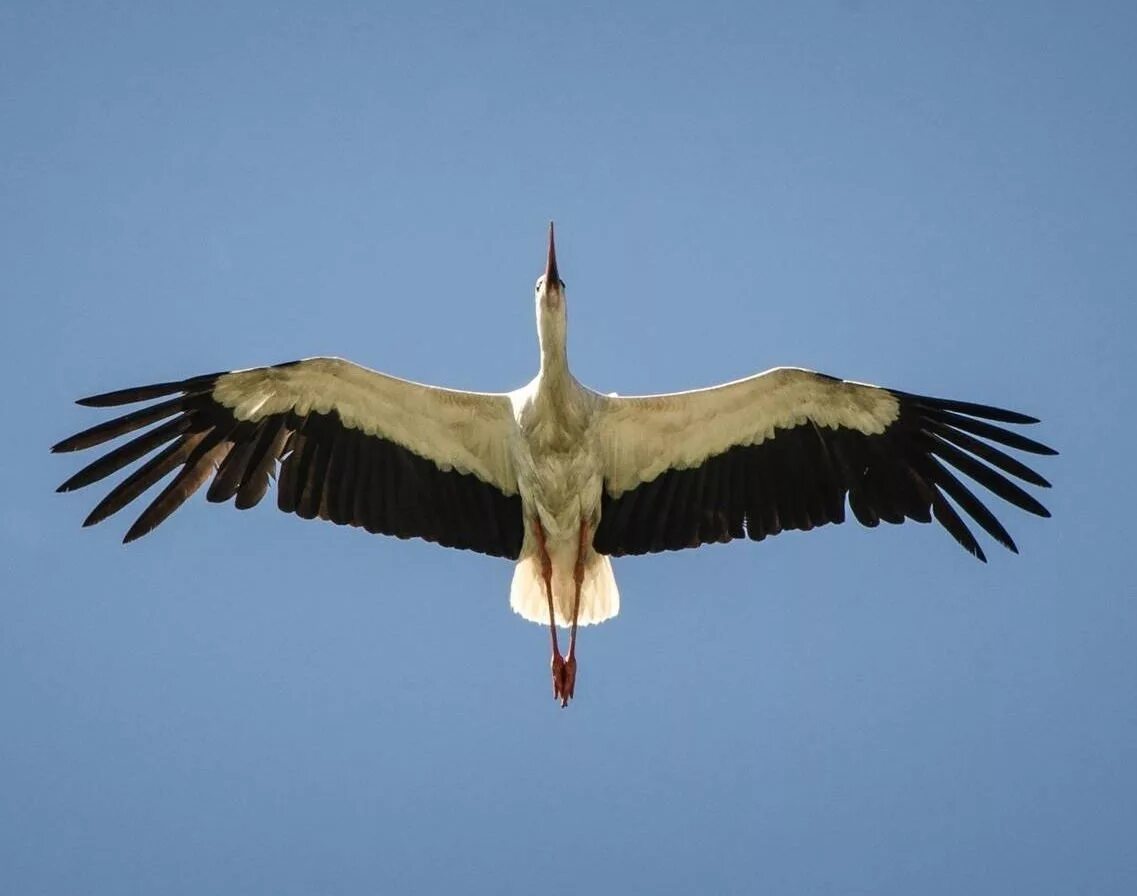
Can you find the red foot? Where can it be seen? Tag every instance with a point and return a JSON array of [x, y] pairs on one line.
[[564, 678]]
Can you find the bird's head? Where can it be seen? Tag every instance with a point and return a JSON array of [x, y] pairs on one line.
[[550, 288]]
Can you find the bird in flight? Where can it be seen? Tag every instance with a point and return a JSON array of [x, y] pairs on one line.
[[555, 476]]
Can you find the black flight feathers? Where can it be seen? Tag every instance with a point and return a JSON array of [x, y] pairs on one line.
[[327, 470], [802, 476]]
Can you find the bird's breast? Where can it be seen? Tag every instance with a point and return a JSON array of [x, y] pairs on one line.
[[560, 478]]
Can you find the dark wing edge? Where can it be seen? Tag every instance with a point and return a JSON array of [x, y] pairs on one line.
[[327, 470], [801, 478]]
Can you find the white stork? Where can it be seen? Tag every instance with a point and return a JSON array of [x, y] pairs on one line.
[[554, 475]]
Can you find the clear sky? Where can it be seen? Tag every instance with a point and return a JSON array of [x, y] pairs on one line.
[[938, 197]]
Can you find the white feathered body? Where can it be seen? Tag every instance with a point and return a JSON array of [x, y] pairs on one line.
[[557, 457]]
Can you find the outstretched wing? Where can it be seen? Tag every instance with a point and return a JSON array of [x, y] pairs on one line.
[[783, 449], [355, 447]]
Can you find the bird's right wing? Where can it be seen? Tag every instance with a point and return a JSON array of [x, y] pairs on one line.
[[355, 447], [784, 449]]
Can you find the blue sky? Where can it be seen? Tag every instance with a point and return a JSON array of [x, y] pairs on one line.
[[935, 197]]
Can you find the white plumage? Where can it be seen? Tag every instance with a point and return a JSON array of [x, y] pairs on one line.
[[465, 431], [645, 435], [554, 475]]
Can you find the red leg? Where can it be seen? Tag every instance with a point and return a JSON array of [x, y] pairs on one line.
[[578, 580], [557, 663]]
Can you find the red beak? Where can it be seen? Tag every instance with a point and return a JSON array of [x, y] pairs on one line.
[[551, 275]]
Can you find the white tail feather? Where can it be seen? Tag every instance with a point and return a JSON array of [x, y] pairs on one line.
[[599, 596]]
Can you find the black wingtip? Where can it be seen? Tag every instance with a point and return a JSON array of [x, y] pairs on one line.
[[1008, 542], [106, 399], [135, 394], [972, 409], [133, 534]]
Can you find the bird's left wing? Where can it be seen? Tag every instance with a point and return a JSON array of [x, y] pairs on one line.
[[784, 449], [355, 447]]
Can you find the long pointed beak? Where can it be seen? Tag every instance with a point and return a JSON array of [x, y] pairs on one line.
[[551, 275]]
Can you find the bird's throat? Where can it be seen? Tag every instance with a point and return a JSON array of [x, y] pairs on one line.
[[551, 334]]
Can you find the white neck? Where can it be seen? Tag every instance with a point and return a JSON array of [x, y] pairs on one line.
[[551, 334]]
